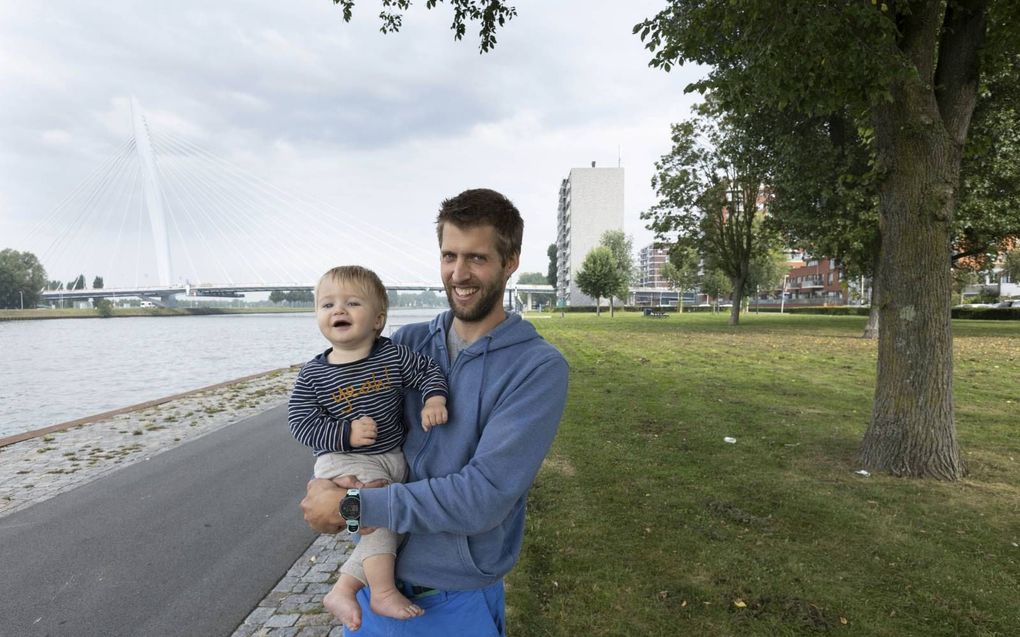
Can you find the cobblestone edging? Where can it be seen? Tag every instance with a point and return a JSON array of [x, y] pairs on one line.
[[294, 607], [39, 468], [42, 467]]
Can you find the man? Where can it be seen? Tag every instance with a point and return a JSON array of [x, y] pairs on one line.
[[463, 504]]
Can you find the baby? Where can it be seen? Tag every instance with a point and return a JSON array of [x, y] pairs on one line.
[[347, 405]]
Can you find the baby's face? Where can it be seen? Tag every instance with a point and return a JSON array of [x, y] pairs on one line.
[[348, 316]]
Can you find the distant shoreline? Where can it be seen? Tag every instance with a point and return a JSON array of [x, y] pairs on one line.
[[44, 314]]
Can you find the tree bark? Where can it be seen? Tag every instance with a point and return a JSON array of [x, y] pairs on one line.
[[912, 430], [737, 299], [871, 330]]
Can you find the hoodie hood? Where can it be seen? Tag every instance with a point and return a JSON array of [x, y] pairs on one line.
[[512, 331]]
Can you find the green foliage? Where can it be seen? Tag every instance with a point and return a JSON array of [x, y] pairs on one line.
[[683, 269], [490, 14], [393, 297], [104, 307], [532, 278], [622, 248], [599, 276], [987, 313], [709, 190], [767, 271], [716, 284], [22, 277], [551, 275], [77, 284], [97, 283], [292, 296]]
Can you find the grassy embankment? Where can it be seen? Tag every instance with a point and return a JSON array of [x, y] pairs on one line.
[[24, 315], [645, 522]]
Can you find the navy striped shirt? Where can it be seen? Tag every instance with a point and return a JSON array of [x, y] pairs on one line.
[[327, 397]]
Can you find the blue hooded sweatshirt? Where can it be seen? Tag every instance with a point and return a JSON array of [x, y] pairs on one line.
[[463, 504]]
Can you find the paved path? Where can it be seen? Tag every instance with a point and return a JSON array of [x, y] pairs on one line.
[[184, 543], [35, 471]]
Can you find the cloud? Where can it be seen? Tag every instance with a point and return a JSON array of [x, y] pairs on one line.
[[380, 126]]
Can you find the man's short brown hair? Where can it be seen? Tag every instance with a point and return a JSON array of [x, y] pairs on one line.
[[485, 207]]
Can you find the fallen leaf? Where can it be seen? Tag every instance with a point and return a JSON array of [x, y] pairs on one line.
[[843, 620], [663, 595], [739, 603]]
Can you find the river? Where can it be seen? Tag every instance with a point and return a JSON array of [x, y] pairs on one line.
[[53, 371]]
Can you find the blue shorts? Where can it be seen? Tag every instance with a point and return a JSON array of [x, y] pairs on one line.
[[478, 613]]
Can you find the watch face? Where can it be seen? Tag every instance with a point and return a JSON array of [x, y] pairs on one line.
[[350, 508]]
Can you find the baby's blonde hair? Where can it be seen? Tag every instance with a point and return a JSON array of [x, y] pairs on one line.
[[368, 281]]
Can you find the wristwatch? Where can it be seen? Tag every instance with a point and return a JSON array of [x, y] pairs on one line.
[[350, 510]]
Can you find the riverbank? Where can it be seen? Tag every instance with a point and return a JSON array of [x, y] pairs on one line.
[[42, 464], [39, 465], [121, 312]]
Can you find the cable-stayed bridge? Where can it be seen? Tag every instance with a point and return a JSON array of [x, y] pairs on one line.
[[164, 217]]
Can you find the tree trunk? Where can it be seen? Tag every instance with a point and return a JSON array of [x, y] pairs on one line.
[[871, 330], [912, 431], [737, 300]]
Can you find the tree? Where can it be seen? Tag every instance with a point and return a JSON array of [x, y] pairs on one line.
[[104, 307], [551, 276], [716, 283], [97, 283], [682, 270], [393, 297], [914, 71], [22, 278], [1012, 265], [622, 248], [532, 278], [277, 296], [710, 190], [77, 284], [767, 271], [491, 14], [599, 276]]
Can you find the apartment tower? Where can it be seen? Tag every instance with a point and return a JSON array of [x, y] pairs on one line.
[[591, 202]]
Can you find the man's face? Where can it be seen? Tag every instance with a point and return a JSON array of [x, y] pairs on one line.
[[473, 274]]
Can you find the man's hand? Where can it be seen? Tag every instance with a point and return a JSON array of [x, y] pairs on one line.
[[434, 412], [363, 432], [321, 504]]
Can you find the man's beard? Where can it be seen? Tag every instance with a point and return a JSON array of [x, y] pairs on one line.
[[490, 298]]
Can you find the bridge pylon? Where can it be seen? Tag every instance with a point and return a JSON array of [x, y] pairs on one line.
[[153, 194]]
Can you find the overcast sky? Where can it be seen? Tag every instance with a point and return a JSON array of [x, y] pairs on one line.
[[382, 127]]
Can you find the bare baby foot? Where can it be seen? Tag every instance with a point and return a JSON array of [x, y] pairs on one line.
[[390, 603], [343, 605]]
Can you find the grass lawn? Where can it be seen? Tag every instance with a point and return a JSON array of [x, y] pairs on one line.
[[645, 522]]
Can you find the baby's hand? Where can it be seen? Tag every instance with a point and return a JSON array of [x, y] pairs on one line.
[[363, 432], [433, 413]]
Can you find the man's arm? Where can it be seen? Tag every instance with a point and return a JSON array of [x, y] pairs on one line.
[[514, 441]]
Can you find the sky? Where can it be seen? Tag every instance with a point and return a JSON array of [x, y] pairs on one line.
[[363, 133]]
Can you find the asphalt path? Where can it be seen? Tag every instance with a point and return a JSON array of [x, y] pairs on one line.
[[186, 543]]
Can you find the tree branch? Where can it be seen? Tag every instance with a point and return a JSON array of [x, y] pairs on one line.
[[956, 77]]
